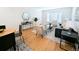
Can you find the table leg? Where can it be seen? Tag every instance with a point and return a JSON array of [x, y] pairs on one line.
[[60, 42]]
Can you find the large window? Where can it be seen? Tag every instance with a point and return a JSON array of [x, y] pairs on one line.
[[54, 16]]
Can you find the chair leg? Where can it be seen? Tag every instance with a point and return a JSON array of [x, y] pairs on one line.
[[21, 37], [34, 36], [42, 36]]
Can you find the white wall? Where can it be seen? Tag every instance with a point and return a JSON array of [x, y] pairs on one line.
[[11, 16]]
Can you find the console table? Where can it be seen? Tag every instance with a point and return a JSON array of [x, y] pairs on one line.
[[26, 23], [7, 39], [70, 37]]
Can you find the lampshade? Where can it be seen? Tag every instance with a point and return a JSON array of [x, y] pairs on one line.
[[35, 19]]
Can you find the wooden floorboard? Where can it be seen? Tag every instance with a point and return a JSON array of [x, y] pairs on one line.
[[37, 43]]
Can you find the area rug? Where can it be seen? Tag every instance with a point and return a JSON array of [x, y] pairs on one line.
[[20, 46]]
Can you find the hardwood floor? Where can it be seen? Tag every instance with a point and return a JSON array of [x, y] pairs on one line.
[[37, 43]]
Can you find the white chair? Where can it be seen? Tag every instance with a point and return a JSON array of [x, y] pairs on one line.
[[40, 31]]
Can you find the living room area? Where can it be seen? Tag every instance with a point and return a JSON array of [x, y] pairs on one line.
[[40, 28]]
